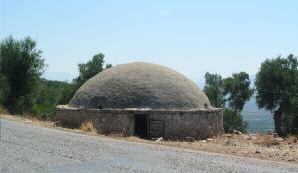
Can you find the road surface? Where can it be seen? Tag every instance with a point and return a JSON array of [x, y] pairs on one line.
[[31, 149]]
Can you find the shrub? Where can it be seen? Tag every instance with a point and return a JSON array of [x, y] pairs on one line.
[[233, 121]]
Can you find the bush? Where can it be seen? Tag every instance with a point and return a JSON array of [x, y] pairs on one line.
[[3, 89], [49, 94], [22, 65], [233, 121]]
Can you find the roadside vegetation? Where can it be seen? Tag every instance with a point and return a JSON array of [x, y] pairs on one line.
[[22, 88], [24, 91], [229, 93]]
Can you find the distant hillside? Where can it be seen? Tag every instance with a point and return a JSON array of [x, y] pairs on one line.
[[258, 120]]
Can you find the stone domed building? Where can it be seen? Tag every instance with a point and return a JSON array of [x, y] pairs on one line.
[[143, 99]]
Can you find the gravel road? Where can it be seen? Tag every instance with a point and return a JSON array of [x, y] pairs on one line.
[[30, 149]]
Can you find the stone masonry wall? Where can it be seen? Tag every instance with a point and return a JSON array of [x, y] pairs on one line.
[[198, 124], [177, 124], [106, 122]]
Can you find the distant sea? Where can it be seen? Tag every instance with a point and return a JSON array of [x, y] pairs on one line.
[[259, 120]]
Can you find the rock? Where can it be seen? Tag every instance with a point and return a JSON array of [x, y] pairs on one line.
[[203, 141], [209, 139], [189, 139], [159, 139], [278, 139], [227, 142], [237, 132], [275, 134], [247, 137]]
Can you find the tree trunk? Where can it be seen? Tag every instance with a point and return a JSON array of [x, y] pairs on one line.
[[277, 122]]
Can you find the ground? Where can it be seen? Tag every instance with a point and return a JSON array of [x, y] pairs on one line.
[[29, 148], [266, 147]]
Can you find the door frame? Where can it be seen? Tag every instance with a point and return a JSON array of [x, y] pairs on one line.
[[147, 116]]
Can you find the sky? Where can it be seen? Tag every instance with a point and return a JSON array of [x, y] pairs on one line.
[[192, 37]]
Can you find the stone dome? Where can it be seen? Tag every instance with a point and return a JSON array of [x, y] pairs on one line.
[[140, 85]]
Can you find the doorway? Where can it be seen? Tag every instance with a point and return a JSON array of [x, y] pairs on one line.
[[142, 125]]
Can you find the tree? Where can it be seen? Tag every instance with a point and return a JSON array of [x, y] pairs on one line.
[[86, 71], [277, 88], [237, 89], [91, 68], [290, 117], [3, 89], [233, 121], [21, 64], [214, 89], [50, 92], [68, 93]]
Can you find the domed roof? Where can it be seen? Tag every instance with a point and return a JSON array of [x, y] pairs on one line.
[[139, 85]]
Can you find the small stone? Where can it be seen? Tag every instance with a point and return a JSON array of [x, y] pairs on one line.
[[237, 132], [278, 139], [159, 139], [209, 139], [203, 141], [247, 137], [228, 142], [275, 134]]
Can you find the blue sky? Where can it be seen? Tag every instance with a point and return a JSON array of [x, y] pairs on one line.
[[191, 37]]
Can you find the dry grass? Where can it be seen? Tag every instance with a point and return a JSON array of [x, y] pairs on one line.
[[3, 110], [266, 140], [291, 140], [28, 119], [88, 126]]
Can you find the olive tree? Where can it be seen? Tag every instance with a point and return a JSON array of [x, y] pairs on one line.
[[277, 88], [214, 89], [236, 91], [21, 65]]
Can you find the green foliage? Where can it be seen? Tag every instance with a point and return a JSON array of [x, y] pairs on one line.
[[21, 65], [233, 121], [50, 92], [86, 71], [3, 89], [214, 89], [91, 68], [21, 88], [68, 93], [277, 91], [108, 66], [276, 82], [238, 91]]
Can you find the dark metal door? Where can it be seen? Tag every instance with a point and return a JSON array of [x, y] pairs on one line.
[[156, 128]]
